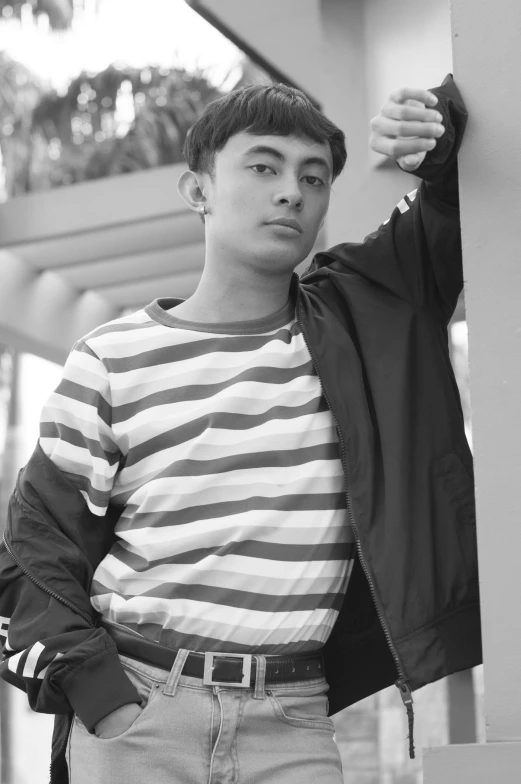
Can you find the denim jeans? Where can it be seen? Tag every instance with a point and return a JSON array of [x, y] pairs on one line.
[[190, 733]]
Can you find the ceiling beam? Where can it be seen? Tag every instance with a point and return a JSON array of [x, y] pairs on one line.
[[145, 266], [42, 314], [88, 207], [97, 247]]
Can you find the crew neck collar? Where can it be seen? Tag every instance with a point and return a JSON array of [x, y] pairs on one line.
[[159, 311]]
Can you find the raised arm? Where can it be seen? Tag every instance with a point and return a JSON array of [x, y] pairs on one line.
[[416, 252]]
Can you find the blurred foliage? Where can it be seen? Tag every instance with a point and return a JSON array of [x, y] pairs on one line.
[[20, 94], [119, 120], [60, 12]]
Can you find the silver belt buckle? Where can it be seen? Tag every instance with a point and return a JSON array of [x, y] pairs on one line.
[[209, 657]]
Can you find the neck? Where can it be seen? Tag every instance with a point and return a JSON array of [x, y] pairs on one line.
[[221, 298]]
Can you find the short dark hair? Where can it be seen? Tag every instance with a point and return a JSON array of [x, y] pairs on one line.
[[261, 110]]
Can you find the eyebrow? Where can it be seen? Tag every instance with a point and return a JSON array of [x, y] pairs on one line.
[[263, 148]]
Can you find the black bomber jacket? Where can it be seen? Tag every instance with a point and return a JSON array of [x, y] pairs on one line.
[[374, 317]]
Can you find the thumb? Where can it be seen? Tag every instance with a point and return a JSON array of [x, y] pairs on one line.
[[411, 162]]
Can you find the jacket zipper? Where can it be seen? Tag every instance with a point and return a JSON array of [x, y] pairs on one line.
[[402, 683]]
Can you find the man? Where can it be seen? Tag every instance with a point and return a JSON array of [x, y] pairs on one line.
[[256, 500]]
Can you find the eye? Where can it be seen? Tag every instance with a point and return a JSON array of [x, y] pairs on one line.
[[318, 182], [260, 165]]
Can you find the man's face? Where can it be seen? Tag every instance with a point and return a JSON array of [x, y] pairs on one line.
[[259, 179]]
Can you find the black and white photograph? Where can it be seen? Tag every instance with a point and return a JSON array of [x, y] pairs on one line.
[[260, 324]]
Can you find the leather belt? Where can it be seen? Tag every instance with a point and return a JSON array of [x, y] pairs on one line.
[[219, 668]]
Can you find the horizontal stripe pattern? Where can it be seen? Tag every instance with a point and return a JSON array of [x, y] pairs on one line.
[[220, 449]]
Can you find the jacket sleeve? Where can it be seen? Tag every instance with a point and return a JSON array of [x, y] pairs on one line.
[[53, 646], [416, 252]]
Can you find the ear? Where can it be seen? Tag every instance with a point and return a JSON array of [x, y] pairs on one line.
[[190, 187]]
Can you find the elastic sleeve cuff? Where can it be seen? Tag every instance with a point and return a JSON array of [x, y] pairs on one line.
[[99, 687], [441, 162]]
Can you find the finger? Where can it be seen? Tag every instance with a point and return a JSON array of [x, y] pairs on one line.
[[394, 128], [403, 94], [407, 166], [412, 110], [395, 148], [411, 161]]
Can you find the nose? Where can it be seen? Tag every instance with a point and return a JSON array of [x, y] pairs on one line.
[[290, 195]]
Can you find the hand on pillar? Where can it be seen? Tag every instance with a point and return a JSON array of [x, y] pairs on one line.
[[406, 129]]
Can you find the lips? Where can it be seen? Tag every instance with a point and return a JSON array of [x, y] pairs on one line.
[[291, 222]]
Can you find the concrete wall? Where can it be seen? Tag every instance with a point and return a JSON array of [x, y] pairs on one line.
[[407, 42], [368, 49], [264, 26]]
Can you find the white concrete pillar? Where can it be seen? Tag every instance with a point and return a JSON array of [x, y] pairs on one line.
[[487, 63]]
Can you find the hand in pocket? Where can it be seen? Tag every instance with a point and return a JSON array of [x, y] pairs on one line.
[[117, 722]]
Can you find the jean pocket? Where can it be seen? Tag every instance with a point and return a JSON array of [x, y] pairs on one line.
[[147, 690], [303, 707]]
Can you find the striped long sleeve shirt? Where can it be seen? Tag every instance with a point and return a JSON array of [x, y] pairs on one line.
[[217, 443]]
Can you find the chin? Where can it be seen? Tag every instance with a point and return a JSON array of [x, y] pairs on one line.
[[281, 257]]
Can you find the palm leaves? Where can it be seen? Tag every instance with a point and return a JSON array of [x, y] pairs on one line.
[[20, 93], [118, 120], [60, 12]]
